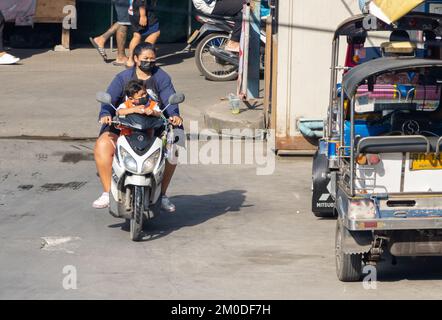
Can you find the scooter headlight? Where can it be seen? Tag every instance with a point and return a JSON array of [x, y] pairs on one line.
[[149, 163], [128, 161]]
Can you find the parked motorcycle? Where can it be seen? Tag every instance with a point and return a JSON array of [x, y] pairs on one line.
[[212, 60], [138, 166]]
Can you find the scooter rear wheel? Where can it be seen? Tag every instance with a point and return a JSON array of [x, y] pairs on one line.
[[211, 67]]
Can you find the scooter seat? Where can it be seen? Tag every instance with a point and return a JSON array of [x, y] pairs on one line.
[[214, 16]]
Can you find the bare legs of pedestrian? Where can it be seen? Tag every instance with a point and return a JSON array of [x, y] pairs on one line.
[[121, 34], [121, 44]]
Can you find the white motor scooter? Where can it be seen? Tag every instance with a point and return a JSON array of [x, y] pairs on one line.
[[138, 166]]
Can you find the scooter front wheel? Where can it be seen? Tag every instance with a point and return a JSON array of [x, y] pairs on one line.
[[136, 223], [211, 67]]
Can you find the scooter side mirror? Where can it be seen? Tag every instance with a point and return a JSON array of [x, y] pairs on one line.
[[177, 98], [104, 97]]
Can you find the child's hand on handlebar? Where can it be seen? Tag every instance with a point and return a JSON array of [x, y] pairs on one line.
[[139, 109], [106, 120]]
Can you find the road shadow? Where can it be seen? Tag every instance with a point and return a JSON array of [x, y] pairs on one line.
[[410, 268], [171, 54], [167, 54], [26, 53], [191, 211]]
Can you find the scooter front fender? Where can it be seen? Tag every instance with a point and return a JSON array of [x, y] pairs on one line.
[[136, 180]]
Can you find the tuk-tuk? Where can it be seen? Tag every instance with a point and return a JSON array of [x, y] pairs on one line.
[[379, 167]]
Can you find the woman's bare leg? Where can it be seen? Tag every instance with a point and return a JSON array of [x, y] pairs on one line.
[[104, 153], [102, 39]]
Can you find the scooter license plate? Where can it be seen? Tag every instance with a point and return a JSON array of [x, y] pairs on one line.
[[193, 37], [422, 161]]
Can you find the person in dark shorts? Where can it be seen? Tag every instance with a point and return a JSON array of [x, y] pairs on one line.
[[144, 23], [120, 28]]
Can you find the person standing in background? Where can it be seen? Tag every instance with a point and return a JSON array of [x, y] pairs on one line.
[[120, 28], [145, 24], [5, 58]]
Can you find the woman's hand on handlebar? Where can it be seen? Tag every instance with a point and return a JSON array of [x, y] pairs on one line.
[[176, 121], [106, 120]]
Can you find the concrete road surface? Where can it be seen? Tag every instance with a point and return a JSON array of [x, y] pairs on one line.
[[235, 235]]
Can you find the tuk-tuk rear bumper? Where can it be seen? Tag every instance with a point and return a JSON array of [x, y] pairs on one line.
[[394, 224]]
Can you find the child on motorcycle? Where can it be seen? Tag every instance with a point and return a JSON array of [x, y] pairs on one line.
[[138, 101]]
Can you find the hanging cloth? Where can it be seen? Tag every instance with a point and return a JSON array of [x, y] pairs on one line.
[[391, 11]]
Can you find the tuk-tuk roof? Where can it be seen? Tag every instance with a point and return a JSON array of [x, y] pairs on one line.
[[412, 21], [358, 74]]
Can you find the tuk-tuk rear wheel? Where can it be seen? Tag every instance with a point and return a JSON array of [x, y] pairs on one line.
[[348, 266]]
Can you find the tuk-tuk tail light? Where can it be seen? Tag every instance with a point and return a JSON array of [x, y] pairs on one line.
[[361, 209], [362, 160], [368, 159], [373, 159], [370, 225]]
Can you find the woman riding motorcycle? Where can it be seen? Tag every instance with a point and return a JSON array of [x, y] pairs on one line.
[[155, 79]]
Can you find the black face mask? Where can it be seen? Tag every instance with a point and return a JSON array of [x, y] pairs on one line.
[[142, 101], [147, 66]]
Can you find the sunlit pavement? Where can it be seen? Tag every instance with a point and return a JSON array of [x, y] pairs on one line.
[[235, 235]]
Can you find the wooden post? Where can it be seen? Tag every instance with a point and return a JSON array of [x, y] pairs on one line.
[[274, 82], [244, 54], [50, 11], [66, 38]]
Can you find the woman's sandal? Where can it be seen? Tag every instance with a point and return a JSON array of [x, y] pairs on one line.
[[101, 51]]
